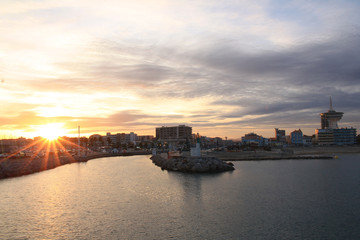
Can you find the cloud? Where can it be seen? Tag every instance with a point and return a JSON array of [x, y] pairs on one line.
[[272, 83], [222, 68], [132, 64]]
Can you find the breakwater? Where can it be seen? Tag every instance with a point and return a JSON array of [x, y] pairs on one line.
[[192, 164], [19, 166], [269, 155], [260, 158], [311, 152]]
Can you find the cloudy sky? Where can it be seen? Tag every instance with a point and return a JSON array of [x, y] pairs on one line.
[[225, 68]]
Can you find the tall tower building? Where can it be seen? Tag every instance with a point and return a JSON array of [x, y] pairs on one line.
[[329, 120], [330, 133]]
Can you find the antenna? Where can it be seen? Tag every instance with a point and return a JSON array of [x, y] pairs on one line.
[[331, 106]]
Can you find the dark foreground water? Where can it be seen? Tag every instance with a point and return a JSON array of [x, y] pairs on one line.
[[130, 198]]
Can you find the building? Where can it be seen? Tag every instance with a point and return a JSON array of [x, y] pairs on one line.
[[131, 137], [307, 140], [208, 142], [280, 135], [145, 138], [330, 133], [254, 139], [339, 136], [112, 139], [145, 141], [116, 140], [344, 136], [330, 118], [324, 136], [174, 135], [296, 137], [8, 145]]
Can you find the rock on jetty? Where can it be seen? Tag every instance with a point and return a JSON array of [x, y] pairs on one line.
[[192, 164]]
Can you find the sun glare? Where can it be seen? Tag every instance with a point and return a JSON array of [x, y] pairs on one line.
[[51, 131]]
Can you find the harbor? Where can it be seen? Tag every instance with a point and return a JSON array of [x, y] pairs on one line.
[[131, 198]]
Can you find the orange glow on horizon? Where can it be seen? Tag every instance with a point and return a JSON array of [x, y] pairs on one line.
[[51, 131]]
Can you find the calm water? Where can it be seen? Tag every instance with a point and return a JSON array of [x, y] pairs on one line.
[[130, 198]]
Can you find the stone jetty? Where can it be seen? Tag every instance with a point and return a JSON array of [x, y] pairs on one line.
[[192, 164]]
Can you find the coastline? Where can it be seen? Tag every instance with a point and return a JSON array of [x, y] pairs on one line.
[[313, 152], [16, 167], [20, 166]]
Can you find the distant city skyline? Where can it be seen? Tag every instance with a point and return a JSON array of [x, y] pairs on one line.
[[224, 68]]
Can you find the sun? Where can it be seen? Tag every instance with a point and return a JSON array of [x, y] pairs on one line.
[[51, 131]]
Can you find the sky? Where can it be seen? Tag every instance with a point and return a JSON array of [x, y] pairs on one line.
[[225, 68]]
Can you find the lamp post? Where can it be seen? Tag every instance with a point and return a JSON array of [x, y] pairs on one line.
[[79, 140]]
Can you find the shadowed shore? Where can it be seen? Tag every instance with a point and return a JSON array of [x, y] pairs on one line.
[[19, 166]]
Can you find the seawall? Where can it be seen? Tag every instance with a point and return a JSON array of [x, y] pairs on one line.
[[315, 152]]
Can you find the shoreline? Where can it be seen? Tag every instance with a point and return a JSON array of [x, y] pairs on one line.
[[16, 167], [295, 153], [21, 166], [276, 158]]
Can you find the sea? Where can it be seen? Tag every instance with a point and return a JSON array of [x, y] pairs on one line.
[[131, 198]]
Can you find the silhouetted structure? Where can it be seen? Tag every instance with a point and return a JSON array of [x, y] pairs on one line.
[[280, 136], [296, 137], [174, 135], [330, 133], [330, 118], [254, 140]]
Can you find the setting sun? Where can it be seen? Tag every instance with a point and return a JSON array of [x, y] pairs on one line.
[[51, 131]]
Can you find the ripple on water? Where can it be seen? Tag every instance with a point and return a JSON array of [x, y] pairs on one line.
[[131, 198]]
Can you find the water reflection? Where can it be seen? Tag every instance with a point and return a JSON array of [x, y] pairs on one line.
[[194, 195], [131, 198], [190, 184]]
